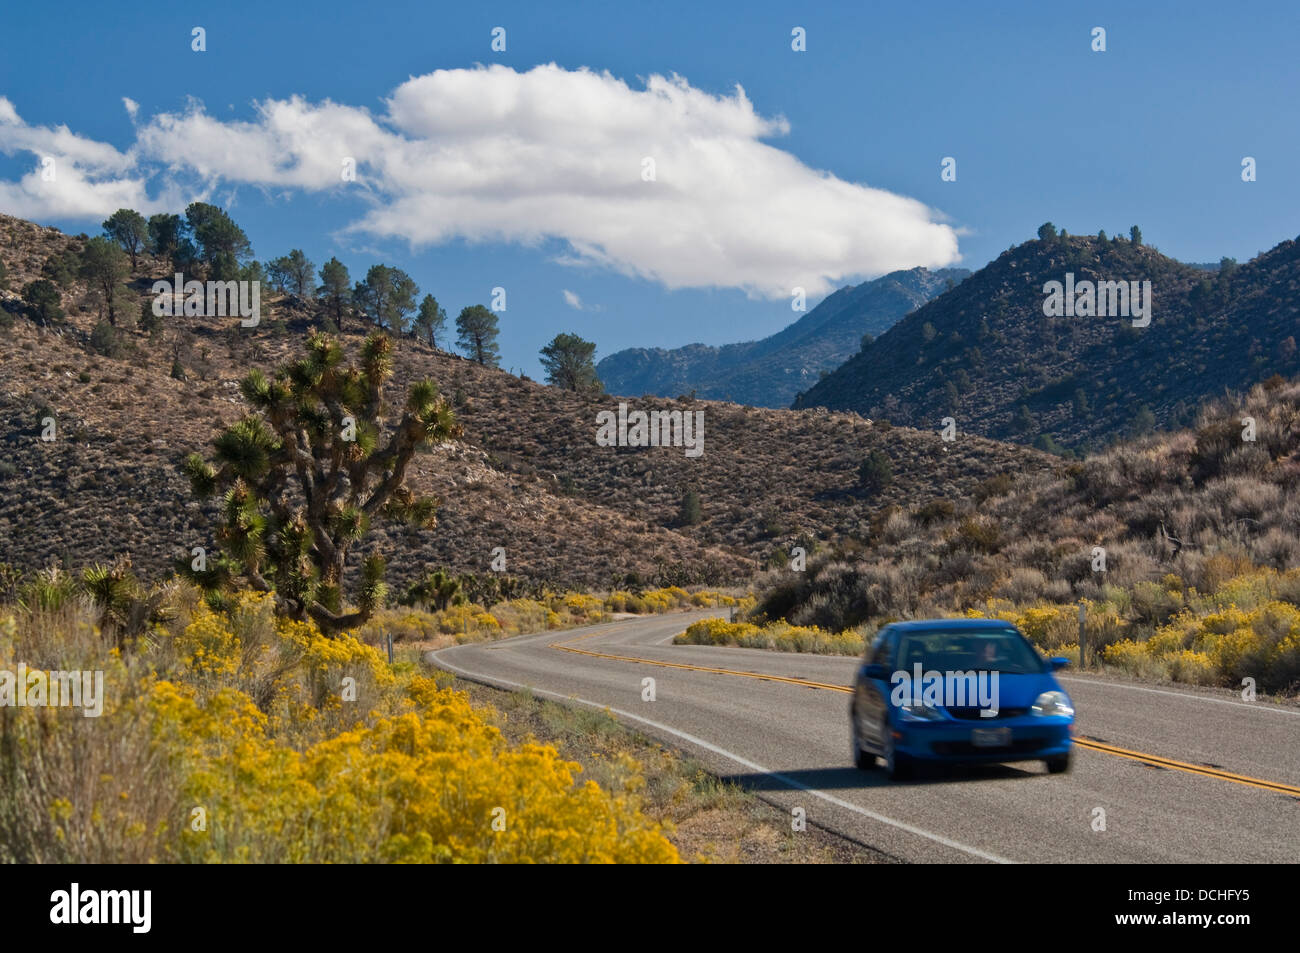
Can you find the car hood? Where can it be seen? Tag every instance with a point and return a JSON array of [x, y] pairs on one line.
[[1013, 691], [1021, 691]]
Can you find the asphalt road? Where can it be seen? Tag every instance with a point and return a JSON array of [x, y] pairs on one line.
[[1182, 776]]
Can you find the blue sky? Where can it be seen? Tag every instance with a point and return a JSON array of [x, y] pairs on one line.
[[1152, 132]]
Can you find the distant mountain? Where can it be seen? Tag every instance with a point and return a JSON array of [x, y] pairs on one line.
[[771, 372], [986, 354]]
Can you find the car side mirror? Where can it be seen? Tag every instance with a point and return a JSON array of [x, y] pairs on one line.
[[1058, 662], [875, 671]]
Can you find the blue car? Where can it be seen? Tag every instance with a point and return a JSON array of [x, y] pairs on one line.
[[958, 690]]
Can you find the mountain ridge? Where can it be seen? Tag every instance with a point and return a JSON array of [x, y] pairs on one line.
[[985, 354], [770, 371]]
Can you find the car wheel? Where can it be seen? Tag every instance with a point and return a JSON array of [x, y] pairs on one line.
[[863, 760], [898, 765], [1060, 765]]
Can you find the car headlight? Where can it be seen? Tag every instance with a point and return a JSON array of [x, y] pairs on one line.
[[920, 713], [1053, 703]]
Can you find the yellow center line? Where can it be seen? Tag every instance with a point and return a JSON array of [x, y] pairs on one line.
[[1149, 759], [701, 668], [1159, 762]]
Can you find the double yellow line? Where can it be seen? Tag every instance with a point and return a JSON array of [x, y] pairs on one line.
[[1147, 759], [1204, 770]]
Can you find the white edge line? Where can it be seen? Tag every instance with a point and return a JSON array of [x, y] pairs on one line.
[[743, 762], [1186, 695]]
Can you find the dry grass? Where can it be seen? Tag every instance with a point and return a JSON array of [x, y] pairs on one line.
[[528, 475]]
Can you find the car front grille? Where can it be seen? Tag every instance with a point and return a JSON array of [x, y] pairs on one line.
[[973, 714], [1017, 746]]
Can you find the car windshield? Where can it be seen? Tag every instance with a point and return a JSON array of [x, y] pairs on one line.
[[964, 650]]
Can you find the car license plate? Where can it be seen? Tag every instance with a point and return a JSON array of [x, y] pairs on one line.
[[990, 737]]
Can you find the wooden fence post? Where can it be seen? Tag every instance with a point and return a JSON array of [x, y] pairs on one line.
[[1083, 634]]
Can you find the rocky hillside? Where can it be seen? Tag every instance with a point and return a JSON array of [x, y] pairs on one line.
[[1182, 547], [771, 372], [985, 353], [528, 474]]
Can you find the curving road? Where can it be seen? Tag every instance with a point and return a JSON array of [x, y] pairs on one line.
[[1182, 776]]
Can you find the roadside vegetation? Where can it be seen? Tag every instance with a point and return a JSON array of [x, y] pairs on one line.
[[1249, 628], [472, 622], [242, 736], [779, 636], [707, 818], [1182, 546], [242, 719]]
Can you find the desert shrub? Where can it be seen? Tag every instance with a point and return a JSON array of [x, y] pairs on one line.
[[583, 607], [1214, 441], [525, 615], [1023, 585], [875, 472], [707, 599], [470, 621], [980, 534], [1047, 626], [897, 527], [107, 340], [1131, 658], [1278, 548], [997, 485], [620, 601], [1288, 587], [934, 511], [1224, 645], [1218, 569], [668, 597], [777, 636], [1154, 604], [1192, 668], [690, 513], [240, 714]]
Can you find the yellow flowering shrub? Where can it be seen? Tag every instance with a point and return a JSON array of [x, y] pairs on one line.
[[657, 601], [469, 622], [1042, 624], [620, 601], [717, 632], [778, 636], [226, 738], [1053, 626], [1193, 668], [208, 646], [473, 623], [582, 606], [1224, 645]]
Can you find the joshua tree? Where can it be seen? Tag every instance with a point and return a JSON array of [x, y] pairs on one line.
[[437, 589], [303, 475]]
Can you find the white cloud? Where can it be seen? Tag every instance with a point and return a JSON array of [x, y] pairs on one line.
[[72, 177], [491, 154], [572, 299], [290, 143], [95, 158], [132, 107], [71, 195]]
